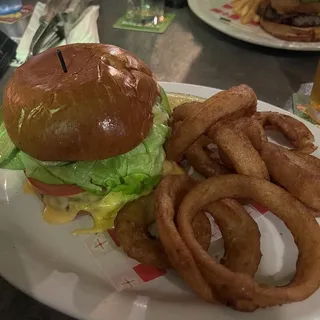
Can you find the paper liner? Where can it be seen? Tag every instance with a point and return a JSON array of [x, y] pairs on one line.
[[123, 272]]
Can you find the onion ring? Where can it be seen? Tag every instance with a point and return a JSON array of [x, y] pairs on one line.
[[185, 110], [294, 130], [168, 196], [297, 172], [201, 160], [235, 102], [237, 148], [313, 162], [175, 125], [131, 226], [240, 234], [225, 160], [237, 289], [254, 131]]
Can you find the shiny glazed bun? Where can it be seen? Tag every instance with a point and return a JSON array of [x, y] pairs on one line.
[[100, 108]]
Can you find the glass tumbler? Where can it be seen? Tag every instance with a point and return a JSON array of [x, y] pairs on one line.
[[145, 12]]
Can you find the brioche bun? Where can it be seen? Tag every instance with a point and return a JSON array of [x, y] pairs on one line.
[[100, 108]]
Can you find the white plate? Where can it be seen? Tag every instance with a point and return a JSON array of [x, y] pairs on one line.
[[211, 12], [54, 267]]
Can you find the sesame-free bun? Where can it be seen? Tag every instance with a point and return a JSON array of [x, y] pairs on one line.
[[100, 108]]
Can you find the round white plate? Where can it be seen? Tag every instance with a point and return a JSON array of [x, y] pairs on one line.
[[54, 267], [218, 14]]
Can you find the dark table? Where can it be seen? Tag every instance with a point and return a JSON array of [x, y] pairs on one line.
[[190, 52]]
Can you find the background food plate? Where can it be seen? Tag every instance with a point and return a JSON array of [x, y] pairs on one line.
[[56, 268], [219, 15]]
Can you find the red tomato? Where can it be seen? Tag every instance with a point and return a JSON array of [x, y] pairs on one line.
[[57, 190]]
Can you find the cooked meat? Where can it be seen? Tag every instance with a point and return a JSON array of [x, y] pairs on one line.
[[291, 19]]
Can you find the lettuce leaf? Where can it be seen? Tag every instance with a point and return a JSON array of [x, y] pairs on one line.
[[128, 172], [6, 145], [131, 173]]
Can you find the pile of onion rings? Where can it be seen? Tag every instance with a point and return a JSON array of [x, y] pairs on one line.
[[225, 140]]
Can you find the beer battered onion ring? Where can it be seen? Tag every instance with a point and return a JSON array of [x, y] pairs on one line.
[[235, 146], [294, 130], [132, 229], [238, 289], [235, 102], [200, 159], [240, 233], [185, 110], [253, 130], [295, 171], [169, 192]]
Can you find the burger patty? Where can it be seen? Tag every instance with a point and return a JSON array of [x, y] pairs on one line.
[[291, 19]]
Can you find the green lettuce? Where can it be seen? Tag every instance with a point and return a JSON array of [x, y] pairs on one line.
[[132, 173]]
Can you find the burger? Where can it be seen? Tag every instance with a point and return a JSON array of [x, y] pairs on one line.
[[87, 128], [292, 20]]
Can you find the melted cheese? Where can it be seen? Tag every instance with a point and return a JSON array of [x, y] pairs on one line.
[[171, 167], [53, 216], [61, 210], [28, 188]]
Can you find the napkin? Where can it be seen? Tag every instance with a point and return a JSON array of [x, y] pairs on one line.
[[86, 31]]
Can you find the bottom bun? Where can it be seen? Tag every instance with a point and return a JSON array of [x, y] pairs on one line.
[[290, 33]]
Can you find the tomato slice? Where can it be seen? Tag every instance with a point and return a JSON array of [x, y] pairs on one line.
[[57, 190]]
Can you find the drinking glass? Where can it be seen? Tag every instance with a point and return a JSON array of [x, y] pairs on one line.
[[10, 6], [145, 11]]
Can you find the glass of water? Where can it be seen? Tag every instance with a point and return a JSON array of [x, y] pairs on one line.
[[10, 6], [145, 12]]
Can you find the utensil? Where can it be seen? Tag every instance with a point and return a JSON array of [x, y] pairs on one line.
[[52, 35], [52, 7], [57, 22]]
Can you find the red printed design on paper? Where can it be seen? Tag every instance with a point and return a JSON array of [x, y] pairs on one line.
[[234, 16], [227, 6], [226, 11], [260, 208], [216, 10], [148, 273]]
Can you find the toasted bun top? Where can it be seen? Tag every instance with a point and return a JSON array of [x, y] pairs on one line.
[[100, 108], [295, 6]]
